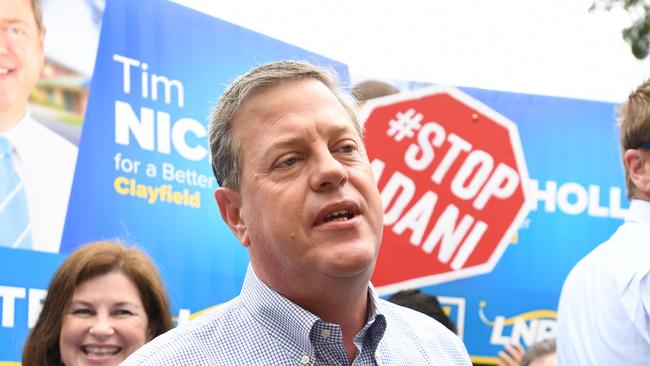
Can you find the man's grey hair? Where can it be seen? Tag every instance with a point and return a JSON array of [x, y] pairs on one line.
[[225, 150], [538, 350], [37, 10]]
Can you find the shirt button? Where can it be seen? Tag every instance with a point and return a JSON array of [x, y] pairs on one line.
[[325, 333], [377, 357], [305, 359]]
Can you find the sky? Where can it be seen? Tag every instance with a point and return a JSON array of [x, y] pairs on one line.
[[550, 47]]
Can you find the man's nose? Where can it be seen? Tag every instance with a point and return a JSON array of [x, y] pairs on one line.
[[102, 327], [329, 172]]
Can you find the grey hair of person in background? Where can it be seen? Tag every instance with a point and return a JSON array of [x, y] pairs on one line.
[[537, 350]]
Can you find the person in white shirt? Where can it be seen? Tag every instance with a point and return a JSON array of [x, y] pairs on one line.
[[604, 310], [37, 165]]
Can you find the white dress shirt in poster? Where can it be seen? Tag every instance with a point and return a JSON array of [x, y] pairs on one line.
[[45, 163]]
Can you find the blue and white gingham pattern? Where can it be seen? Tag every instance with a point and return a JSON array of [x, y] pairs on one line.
[[15, 229], [261, 327]]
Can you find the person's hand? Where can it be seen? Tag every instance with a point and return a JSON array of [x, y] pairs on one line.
[[511, 356]]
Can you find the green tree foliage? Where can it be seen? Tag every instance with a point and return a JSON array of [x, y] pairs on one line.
[[637, 35]]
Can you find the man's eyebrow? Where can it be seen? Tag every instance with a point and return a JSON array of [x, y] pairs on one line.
[[284, 142], [13, 21], [289, 141], [342, 129]]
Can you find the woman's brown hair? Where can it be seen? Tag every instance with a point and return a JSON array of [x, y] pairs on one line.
[[89, 261]]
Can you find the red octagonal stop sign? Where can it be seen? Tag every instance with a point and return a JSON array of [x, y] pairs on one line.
[[453, 182]]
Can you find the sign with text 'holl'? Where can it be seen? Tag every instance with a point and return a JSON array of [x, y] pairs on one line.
[[453, 182]]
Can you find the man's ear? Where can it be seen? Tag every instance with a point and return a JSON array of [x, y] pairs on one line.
[[229, 201], [41, 36], [637, 163]]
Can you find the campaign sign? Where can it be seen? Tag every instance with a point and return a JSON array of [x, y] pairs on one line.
[[143, 172], [453, 182]]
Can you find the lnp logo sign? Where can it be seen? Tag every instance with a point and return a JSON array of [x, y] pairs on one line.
[[453, 183], [527, 328]]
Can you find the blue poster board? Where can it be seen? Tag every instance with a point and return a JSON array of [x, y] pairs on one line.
[[143, 172]]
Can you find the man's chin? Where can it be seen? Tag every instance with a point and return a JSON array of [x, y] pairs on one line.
[[5, 102], [347, 266]]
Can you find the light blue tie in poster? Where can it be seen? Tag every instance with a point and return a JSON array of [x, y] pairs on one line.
[[15, 229]]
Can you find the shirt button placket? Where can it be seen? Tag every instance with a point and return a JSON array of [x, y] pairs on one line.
[[305, 359], [325, 333]]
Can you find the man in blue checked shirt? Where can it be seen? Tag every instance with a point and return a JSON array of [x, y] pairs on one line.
[[297, 190]]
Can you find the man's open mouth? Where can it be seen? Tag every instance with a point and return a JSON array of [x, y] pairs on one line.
[[341, 211], [341, 215]]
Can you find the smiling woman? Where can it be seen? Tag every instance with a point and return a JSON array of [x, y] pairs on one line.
[[104, 302]]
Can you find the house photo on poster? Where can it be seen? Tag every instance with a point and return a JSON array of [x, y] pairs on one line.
[[61, 94]]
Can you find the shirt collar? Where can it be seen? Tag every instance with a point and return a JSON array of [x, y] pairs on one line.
[[21, 138], [374, 308], [375, 326], [638, 212], [291, 325]]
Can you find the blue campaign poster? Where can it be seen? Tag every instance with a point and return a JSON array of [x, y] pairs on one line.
[[143, 173]]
